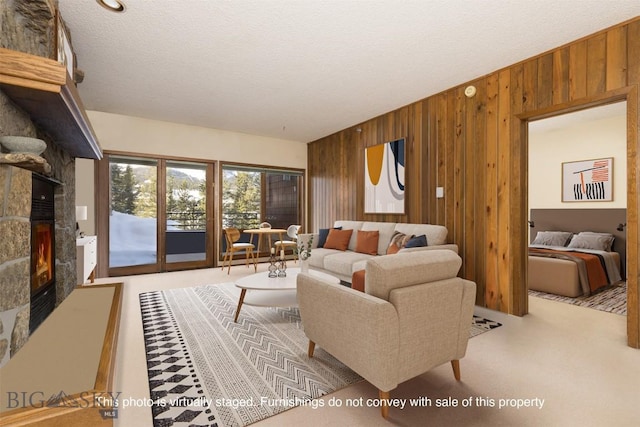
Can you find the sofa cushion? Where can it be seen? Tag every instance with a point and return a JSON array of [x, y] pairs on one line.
[[367, 242], [318, 255], [388, 272], [386, 231], [359, 265], [322, 236], [338, 239], [417, 242], [398, 241], [343, 263], [350, 225], [436, 234]]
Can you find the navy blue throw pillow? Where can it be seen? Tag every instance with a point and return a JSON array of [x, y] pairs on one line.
[[322, 238], [417, 242]]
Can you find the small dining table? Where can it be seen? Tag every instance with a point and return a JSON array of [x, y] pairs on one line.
[[265, 232]]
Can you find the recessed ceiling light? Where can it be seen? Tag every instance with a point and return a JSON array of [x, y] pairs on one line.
[[112, 5]]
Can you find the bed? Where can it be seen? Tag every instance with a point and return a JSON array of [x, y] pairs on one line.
[[573, 252]]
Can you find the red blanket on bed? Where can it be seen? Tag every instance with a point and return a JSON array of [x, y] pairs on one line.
[[596, 272]]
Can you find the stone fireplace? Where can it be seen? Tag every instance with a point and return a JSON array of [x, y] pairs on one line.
[[28, 27]]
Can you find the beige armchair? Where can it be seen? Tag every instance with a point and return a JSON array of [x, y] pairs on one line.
[[415, 314]]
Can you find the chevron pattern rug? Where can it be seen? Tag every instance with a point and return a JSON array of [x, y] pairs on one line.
[[206, 370]]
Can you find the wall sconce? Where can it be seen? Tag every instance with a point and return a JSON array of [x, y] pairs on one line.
[[621, 226], [81, 215], [531, 224]]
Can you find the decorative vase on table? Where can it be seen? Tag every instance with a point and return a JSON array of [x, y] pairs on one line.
[[305, 242], [304, 265]]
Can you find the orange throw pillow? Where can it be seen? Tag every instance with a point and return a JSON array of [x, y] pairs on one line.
[[338, 239], [367, 242]]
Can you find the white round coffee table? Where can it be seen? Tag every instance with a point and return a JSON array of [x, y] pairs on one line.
[[273, 291]]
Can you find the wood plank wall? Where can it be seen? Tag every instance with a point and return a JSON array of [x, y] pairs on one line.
[[476, 148]]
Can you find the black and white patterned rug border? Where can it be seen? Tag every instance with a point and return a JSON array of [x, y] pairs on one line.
[[176, 384], [173, 383], [612, 299], [481, 325]]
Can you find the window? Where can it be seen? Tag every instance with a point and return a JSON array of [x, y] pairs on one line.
[[253, 195], [132, 211], [158, 213]]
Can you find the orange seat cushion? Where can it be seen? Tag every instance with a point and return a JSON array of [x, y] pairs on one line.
[[338, 239], [367, 242], [357, 280]]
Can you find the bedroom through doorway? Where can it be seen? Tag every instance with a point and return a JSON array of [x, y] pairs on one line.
[[577, 201]]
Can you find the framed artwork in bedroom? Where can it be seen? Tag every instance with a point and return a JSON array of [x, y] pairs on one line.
[[588, 180], [384, 177]]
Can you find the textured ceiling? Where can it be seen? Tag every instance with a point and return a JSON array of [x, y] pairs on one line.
[[303, 69]]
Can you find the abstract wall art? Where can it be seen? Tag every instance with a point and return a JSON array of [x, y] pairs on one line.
[[588, 180], [384, 177]]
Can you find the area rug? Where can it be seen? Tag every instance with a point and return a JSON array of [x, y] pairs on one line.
[[612, 299], [206, 370]]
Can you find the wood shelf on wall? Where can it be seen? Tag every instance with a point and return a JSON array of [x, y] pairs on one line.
[[43, 88], [29, 161]]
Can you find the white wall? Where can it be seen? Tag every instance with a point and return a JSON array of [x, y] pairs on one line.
[[549, 148], [136, 135]]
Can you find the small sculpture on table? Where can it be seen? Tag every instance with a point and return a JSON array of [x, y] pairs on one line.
[[282, 265], [273, 264]]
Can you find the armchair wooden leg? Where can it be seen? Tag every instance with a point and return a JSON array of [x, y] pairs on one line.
[[312, 347], [455, 364], [384, 407]]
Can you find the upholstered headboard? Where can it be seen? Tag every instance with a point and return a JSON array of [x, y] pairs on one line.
[[577, 220]]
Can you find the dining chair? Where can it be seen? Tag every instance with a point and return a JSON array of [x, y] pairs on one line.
[[232, 235], [292, 233]]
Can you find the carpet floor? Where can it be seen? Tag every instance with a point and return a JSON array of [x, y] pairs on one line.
[[205, 369], [612, 299]]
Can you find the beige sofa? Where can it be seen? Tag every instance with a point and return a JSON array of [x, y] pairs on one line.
[[415, 314], [342, 264]]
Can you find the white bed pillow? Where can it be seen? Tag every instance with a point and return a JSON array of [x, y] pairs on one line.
[[552, 238], [589, 241], [608, 238]]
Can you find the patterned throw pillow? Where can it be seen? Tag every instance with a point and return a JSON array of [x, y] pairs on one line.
[[398, 241]]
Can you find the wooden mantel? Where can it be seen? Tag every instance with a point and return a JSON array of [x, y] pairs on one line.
[[43, 88]]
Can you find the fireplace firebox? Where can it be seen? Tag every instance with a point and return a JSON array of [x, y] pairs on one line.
[[43, 257]]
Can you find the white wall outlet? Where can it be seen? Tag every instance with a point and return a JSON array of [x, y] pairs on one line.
[[439, 192]]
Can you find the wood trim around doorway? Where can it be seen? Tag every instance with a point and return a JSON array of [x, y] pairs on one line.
[[630, 95]]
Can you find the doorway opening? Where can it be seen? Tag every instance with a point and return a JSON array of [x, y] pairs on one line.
[[566, 262]]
